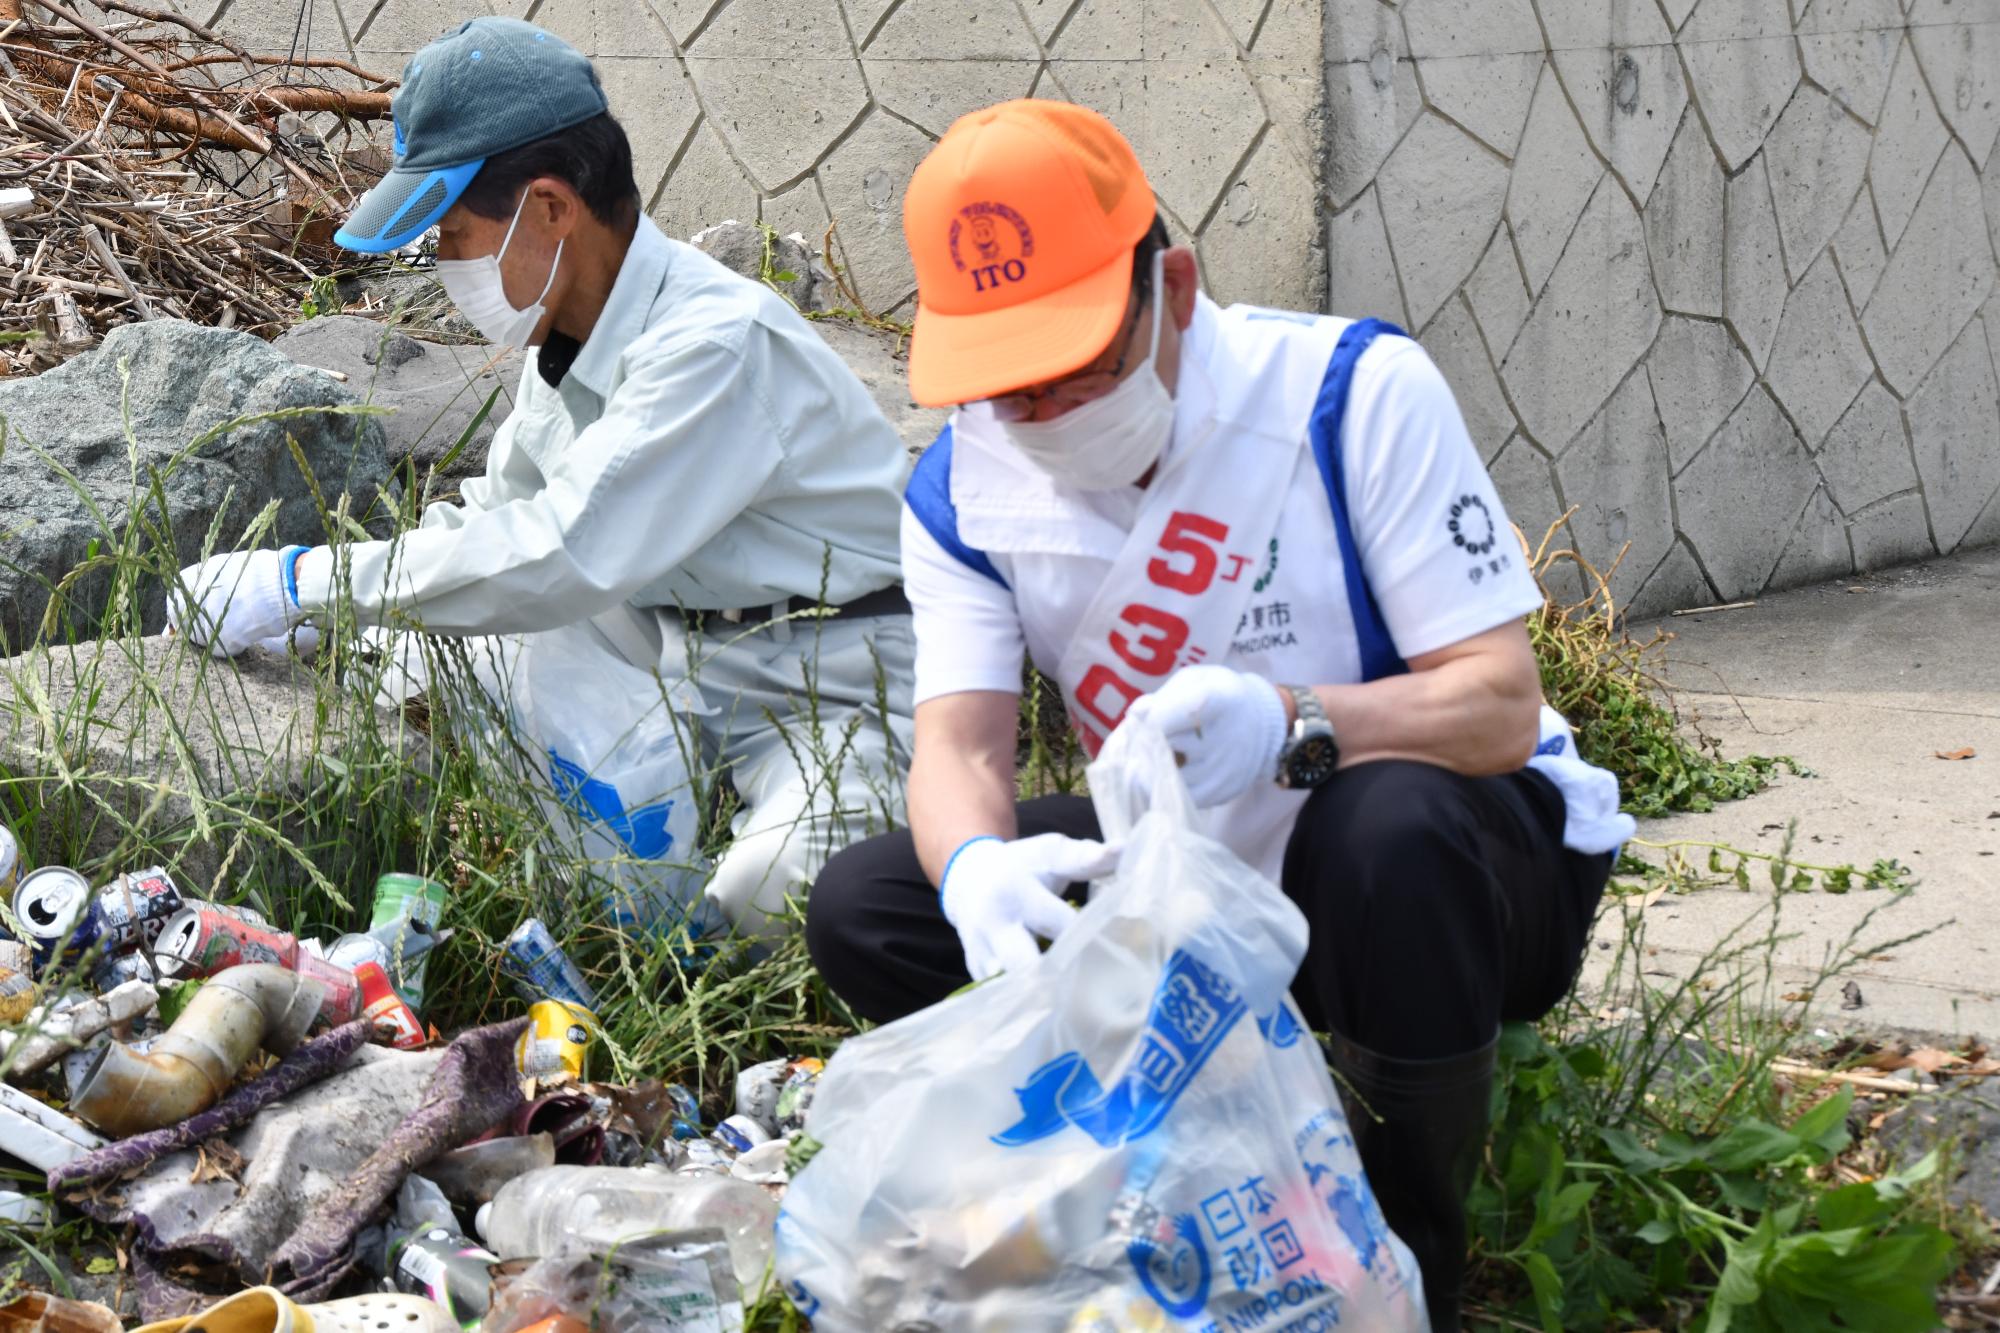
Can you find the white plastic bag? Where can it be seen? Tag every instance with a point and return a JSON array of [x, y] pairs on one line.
[[604, 736], [1135, 1133]]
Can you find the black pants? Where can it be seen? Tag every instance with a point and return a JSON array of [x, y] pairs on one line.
[[1440, 905]]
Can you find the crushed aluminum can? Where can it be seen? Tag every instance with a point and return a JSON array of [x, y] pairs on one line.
[[384, 1008], [10, 862], [136, 906], [56, 907], [757, 1092], [739, 1133], [117, 971], [437, 1263], [557, 1041], [541, 970], [796, 1099], [199, 941]]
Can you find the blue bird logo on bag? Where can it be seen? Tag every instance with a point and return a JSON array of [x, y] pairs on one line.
[[1176, 1275], [643, 831]]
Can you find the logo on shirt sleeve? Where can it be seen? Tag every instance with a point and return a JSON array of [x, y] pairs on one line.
[[1472, 527], [993, 243]]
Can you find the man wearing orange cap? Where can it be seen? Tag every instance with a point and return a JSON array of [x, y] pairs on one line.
[[1269, 534]]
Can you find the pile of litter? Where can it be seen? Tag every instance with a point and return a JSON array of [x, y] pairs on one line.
[[153, 167], [272, 1121]]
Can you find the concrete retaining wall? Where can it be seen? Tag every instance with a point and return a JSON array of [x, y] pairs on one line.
[[1709, 272], [1719, 273]]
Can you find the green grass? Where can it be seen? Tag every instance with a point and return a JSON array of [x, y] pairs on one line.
[[1647, 1168]]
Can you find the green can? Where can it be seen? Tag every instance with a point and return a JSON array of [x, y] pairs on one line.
[[399, 900]]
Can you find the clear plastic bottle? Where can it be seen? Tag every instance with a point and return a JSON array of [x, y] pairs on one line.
[[598, 1206]]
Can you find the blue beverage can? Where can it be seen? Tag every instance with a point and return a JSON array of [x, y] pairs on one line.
[[59, 910], [540, 969]]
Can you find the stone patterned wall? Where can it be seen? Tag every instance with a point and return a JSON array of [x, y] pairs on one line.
[[801, 111], [1718, 273]]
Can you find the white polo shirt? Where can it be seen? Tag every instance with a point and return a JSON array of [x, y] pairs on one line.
[[1434, 559], [706, 449]]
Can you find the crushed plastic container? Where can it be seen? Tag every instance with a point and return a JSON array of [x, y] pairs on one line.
[[599, 1206]]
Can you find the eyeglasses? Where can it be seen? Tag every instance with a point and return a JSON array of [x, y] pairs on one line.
[[1071, 391]]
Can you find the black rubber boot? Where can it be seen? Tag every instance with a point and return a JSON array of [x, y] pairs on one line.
[[1420, 1127]]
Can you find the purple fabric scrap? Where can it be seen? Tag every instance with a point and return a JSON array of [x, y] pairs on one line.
[[475, 1085], [311, 1062]]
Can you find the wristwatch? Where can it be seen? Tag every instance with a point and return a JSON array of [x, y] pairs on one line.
[[1311, 752]]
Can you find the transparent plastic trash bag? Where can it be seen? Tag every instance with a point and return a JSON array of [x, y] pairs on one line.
[[610, 744], [1134, 1133]]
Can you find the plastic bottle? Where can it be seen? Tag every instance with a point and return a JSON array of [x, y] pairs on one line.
[[598, 1206]]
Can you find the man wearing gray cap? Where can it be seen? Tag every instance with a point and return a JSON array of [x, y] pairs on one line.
[[687, 465]]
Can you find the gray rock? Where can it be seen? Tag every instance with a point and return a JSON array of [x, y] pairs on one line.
[[881, 362], [410, 296], [179, 383], [434, 390], [1967, 1121], [1740, 500], [739, 247], [152, 725]]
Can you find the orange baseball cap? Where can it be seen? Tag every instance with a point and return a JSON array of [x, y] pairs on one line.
[[1021, 223]]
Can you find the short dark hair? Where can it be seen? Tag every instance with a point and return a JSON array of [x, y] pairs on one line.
[[593, 157], [1155, 240]]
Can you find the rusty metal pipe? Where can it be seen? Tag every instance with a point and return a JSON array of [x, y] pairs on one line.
[[188, 1069]]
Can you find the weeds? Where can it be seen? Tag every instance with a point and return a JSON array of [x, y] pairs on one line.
[[1608, 685]]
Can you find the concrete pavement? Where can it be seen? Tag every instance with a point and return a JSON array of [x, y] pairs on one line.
[[1864, 681]]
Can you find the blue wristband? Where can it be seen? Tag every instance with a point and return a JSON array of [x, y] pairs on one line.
[[290, 558], [953, 859]]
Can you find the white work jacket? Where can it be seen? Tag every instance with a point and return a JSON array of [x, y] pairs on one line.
[[706, 449], [1000, 559]]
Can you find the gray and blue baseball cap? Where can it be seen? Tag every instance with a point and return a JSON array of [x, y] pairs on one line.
[[490, 85]]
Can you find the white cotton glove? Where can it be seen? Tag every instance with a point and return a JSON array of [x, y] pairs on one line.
[[234, 602], [1000, 895], [1226, 727]]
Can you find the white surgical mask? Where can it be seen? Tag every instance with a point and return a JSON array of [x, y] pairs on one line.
[[1110, 441], [477, 289]]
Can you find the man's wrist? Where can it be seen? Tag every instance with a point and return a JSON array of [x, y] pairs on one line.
[[944, 876]]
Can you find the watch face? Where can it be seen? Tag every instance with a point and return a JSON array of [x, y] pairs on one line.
[[1312, 761]]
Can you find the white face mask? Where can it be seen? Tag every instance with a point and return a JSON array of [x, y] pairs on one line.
[[477, 289], [1110, 441]]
